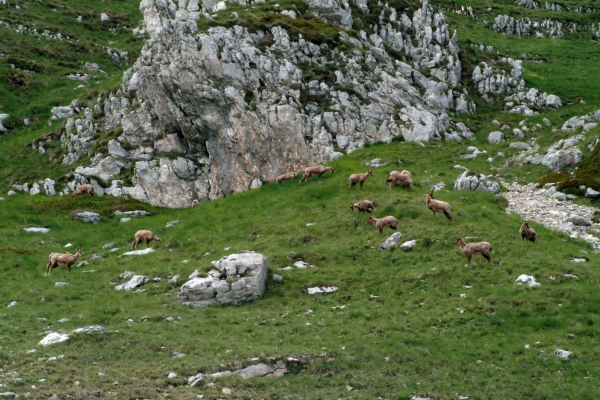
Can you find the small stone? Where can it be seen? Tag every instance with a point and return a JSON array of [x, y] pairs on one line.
[[591, 193], [104, 17], [170, 224], [171, 375], [527, 279], [564, 354], [277, 278], [408, 245], [227, 391], [60, 284], [127, 219]]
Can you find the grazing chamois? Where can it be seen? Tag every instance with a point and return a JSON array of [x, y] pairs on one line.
[[315, 170]]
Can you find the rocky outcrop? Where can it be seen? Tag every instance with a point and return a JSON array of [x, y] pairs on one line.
[[560, 156], [236, 279], [221, 111], [469, 181]]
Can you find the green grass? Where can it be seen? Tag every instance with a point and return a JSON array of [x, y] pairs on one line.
[[401, 331]]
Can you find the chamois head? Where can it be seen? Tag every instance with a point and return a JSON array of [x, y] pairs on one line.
[[369, 173], [371, 220]]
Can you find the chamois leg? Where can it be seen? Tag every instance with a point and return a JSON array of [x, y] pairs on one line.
[[48, 268], [487, 257], [449, 216], [469, 260]]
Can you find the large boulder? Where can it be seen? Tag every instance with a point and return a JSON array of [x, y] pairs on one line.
[[236, 279], [469, 181]]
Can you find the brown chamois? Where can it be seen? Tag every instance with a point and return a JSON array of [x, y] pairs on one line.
[[359, 178], [362, 206], [57, 259], [404, 177], [84, 189], [381, 223], [315, 170], [439, 206], [144, 236], [527, 233], [285, 177], [469, 249]]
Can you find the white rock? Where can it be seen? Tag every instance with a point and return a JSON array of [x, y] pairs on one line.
[[303, 265], [53, 338], [135, 282], [104, 17], [87, 216], [40, 230], [12, 304], [91, 329], [170, 224], [321, 290], [60, 284], [591, 193], [527, 279], [564, 354], [139, 252], [391, 241], [408, 245]]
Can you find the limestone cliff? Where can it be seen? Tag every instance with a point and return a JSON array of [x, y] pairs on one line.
[[217, 111]]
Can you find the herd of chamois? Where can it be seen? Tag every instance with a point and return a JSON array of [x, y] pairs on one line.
[[403, 178]]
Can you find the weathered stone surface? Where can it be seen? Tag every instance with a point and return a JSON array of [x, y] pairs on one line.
[[408, 245], [321, 290], [88, 216], [519, 145], [579, 221], [591, 193], [53, 338], [332, 12], [237, 279], [528, 280], [232, 112], [135, 282], [473, 182], [91, 329], [391, 241], [495, 137]]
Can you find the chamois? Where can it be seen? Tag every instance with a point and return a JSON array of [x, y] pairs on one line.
[[285, 177], [527, 233], [315, 170], [381, 223], [144, 236], [57, 259], [439, 206], [359, 178], [469, 249], [84, 189], [404, 177], [362, 206]]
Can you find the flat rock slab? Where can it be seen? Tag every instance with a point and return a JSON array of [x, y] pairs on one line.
[[91, 329], [303, 265], [39, 230], [53, 338], [408, 245], [88, 216], [139, 252], [135, 282], [321, 290], [237, 279]]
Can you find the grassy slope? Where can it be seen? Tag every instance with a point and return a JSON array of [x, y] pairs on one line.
[[401, 332], [32, 95]]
